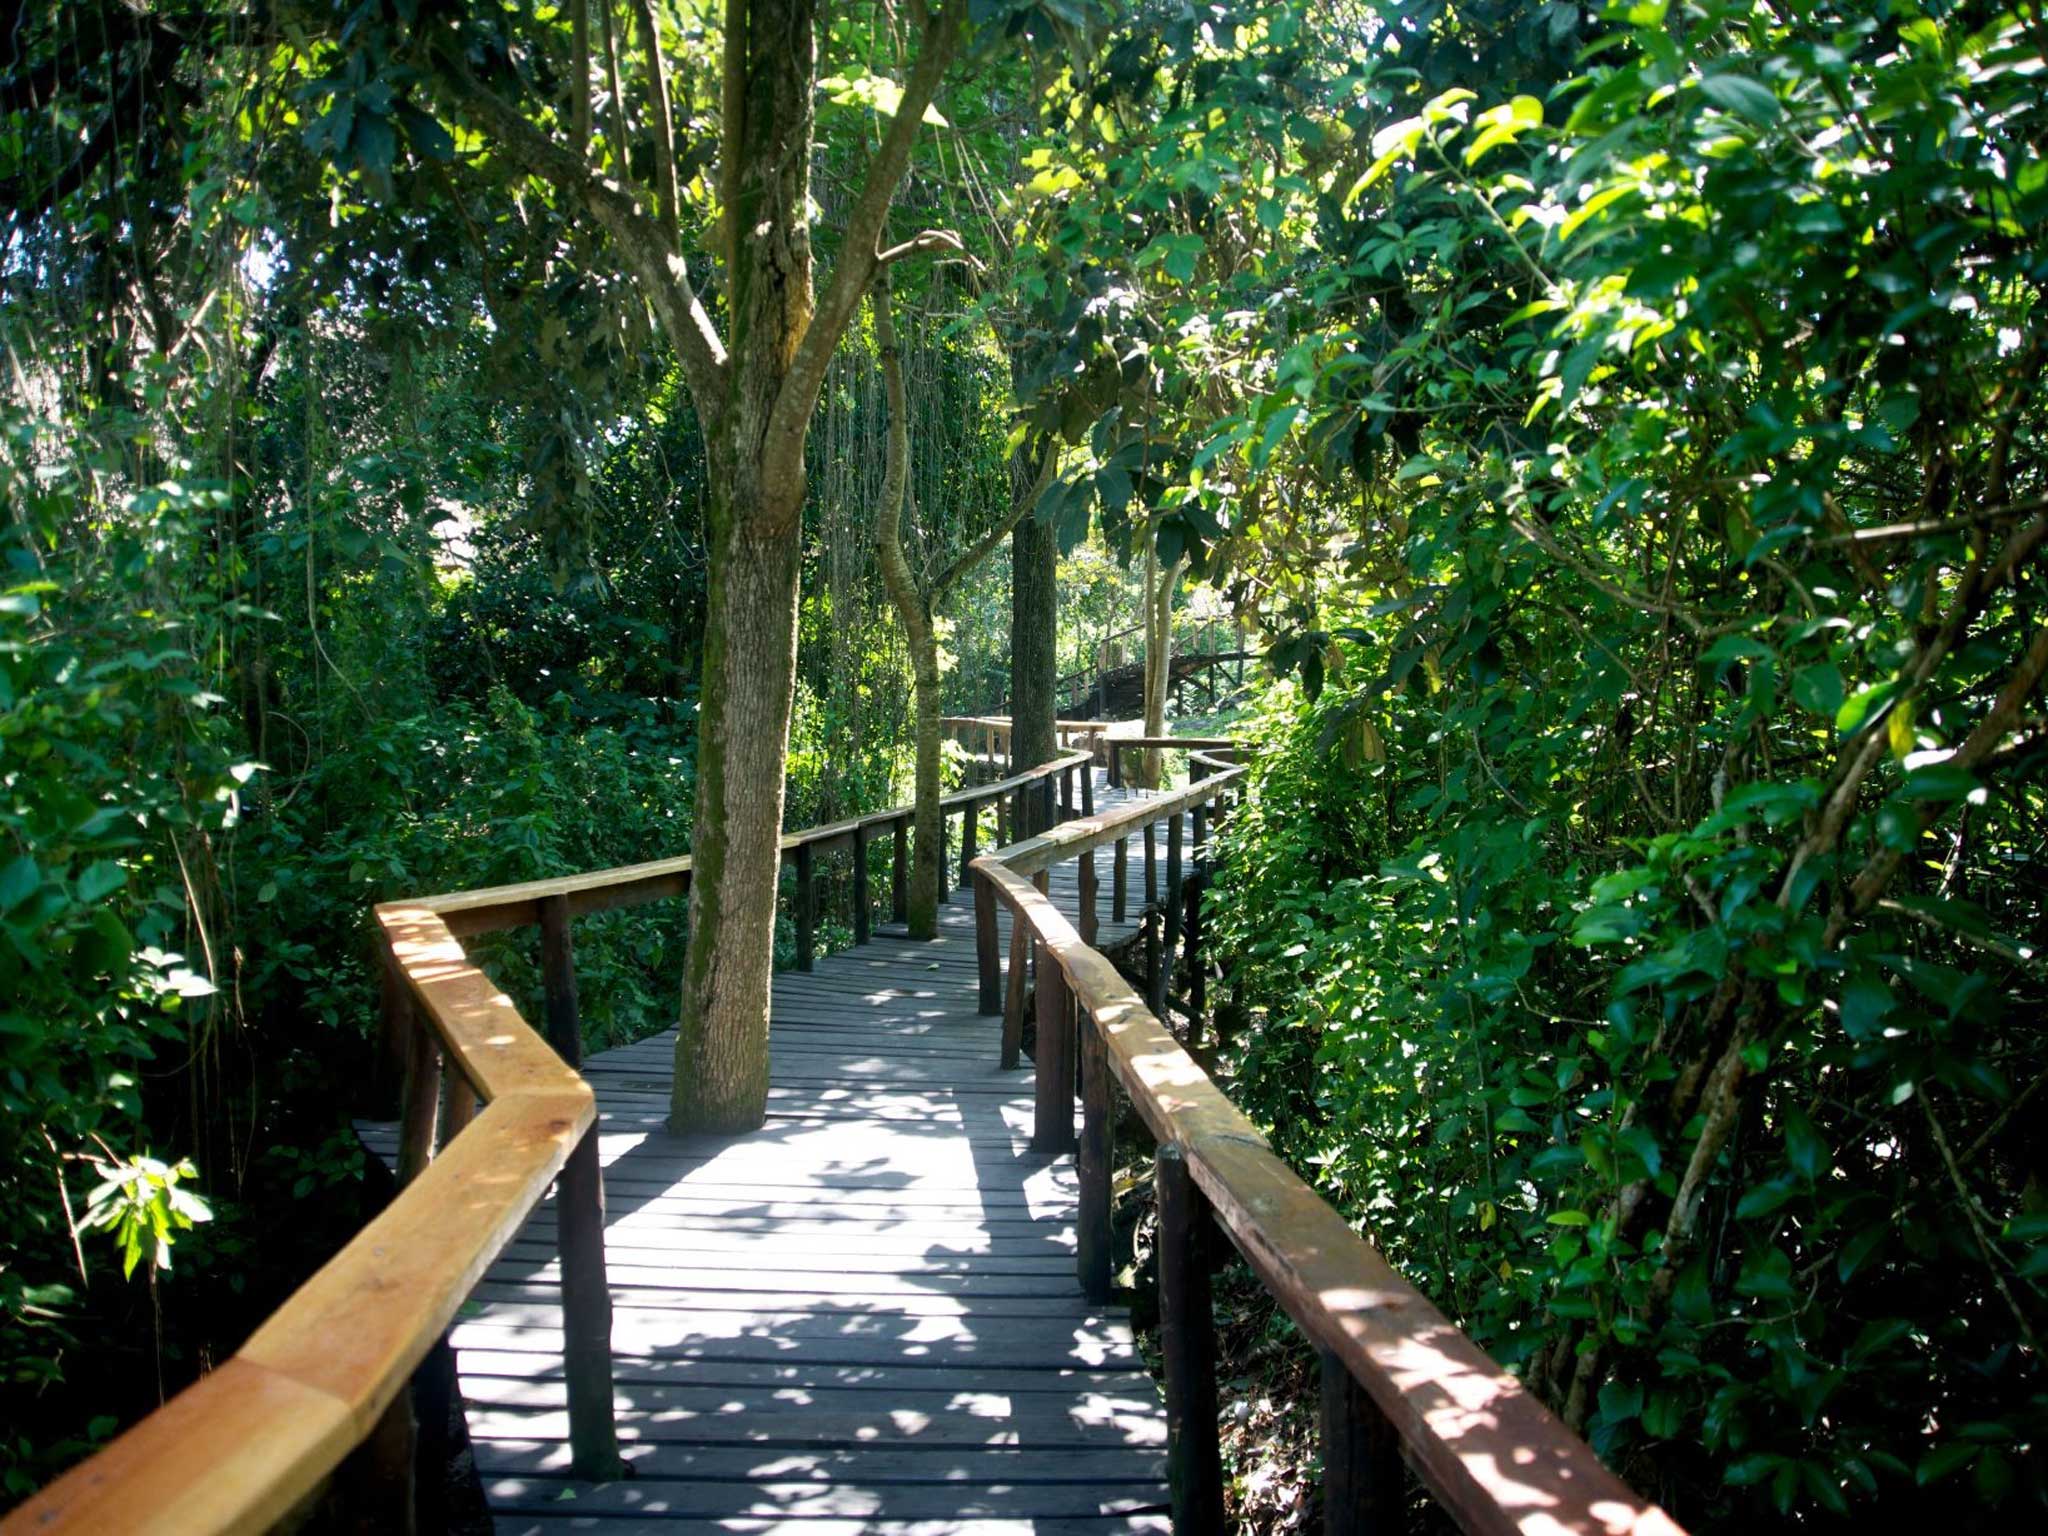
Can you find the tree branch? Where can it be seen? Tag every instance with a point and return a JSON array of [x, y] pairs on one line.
[[929, 240], [858, 253], [664, 125], [986, 545], [648, 255]]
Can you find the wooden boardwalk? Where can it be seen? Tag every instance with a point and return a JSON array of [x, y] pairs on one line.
[[863, 1317]]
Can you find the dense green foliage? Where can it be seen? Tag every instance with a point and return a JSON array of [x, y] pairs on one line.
[[1623, 425], [1631, 440]]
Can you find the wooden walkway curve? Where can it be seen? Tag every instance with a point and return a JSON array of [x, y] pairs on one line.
[[863, 1317]]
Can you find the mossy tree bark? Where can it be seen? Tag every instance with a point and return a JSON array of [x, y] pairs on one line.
[[755, 391]]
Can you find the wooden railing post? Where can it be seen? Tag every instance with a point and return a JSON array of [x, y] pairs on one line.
[[899, 873], [1151, 863], [806, 907], [1187, 1326], [1198, 970], [422, 1113], [1089, 922], [1119, 879], [1066, 794], [860, 883], [1052, 1127], [579, 1229], [1088, 786], [970, 838], [987, 947], [1172, 900], [1155, 973], [1093, 1231], [1051, 813], [1013, 993], [1115, 752], [1363, 1483]]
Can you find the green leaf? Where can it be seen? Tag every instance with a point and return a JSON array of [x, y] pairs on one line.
[[1741, 95]]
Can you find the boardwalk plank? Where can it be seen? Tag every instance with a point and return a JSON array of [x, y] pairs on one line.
[[863, 1317]]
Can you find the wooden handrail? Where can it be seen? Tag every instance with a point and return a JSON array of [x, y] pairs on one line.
[[491, 909], [1400, 1380], [245, 1444]]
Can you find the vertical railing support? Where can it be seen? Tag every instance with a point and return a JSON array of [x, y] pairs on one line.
[[1088, 787], [1066, 794], [1089, 922], [987, 946], [899, 872], [970, 839], [1151, 863], [1363, 1481], [579, 1229], [1119, 880], [1173, 896], [860, 883], [1052, 1128], [806, 907], [1155, 973], [422, 1113], [1187, 1326], [1013, 992], [1116, 762], [1093, 1231]]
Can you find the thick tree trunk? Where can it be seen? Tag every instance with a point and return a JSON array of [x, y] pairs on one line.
[[1034, 627], [721, 1070]]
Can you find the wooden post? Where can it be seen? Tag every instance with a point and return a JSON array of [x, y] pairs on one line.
[[1066, 794], [860, 883], [1172, 900], [1089, 923], [1198, 836], [1052, 815], [1187, 1326], [395, 1024], [579, 1229], [1198, 970], [459, 1107], [806, 907], [1052, 1128], [1155, 973], [970, 838], [1362, 1474], [1013, 993], [1003, 838], [1088, 787], [1116, 762], [987, 940], [1092, 1231], [1119, 879], [1151, 863], [422, 1104], [899, 873]]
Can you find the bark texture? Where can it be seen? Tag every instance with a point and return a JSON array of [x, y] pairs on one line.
[[1034, 625]]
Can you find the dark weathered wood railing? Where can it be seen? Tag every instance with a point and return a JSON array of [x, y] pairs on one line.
[[492, 1116], [1399, 1381]]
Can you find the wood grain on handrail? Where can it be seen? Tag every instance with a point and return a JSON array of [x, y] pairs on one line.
[[243, 1446], [1494, 1456]]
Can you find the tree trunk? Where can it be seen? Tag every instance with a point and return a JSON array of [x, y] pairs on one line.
[[721, 1069], [1034, 630], [1158, 598], [918, 633]]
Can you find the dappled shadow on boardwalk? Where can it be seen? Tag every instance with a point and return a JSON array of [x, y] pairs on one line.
[[862, 1317]]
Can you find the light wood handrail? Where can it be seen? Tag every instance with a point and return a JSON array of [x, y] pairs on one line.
[[245, 1444], [242, 1447], [1496, 1459]]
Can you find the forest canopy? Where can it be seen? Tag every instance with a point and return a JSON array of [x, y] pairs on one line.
[[446, 444]]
